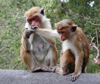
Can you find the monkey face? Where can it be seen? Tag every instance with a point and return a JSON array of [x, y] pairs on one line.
[[65, 28], [64, 34], [35, 20], [34, 16]]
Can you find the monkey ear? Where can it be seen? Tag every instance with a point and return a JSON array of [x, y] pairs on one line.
[[42, 11], [56, 26], [73, 29]]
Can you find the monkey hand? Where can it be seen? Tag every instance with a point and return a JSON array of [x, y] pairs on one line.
[[27, 33], [74, 76]]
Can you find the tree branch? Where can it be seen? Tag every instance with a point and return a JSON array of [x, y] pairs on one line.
[[98, 24], [97, 38], [94, 45], [16, 65], [93, 23], [64, 8]]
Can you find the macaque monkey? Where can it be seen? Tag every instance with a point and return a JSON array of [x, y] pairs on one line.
[[37, 52], [75, 47]]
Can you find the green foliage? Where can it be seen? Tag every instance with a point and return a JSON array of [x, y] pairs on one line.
[[91, 66], [12, 23]]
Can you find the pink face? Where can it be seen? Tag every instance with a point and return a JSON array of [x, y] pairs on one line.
[[64, 34], [34, 20]]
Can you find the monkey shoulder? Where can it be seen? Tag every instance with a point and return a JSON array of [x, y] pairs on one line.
[[81, 39], [80, 34]]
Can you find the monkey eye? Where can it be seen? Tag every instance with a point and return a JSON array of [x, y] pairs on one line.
[[29, 20], [62, 32], [34, 18]]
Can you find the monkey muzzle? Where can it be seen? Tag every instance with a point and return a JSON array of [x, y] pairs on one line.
[[34, 26]]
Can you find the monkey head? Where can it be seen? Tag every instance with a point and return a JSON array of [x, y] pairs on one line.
[[34, 16], [65, 28]]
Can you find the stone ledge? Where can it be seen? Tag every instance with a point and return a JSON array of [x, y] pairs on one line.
[[26, 77]]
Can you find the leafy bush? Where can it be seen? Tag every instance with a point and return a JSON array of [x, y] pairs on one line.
[[12, 23]]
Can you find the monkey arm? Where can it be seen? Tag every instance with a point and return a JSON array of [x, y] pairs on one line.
[[78, 63], [78, 66], [25, 42], [51, 41], [79, 55], [47, 32]]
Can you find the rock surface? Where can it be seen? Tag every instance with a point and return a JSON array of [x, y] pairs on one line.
[[26, 77]]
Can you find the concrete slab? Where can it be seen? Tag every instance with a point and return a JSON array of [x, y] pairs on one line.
[[26, 77]]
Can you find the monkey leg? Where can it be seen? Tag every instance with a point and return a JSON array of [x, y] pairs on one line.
[[28, 59], [50, 59], [85, 62], [84, 67], [67, 63], [53, 56]]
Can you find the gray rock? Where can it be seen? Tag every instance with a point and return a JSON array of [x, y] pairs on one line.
[[26, 77]]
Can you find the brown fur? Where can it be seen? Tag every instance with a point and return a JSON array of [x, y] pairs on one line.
[[25, 57], [83, 47], [32, 11], [67, 62], [70, 62], [64, 24]]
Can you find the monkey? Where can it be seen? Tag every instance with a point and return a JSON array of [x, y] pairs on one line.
[[37, 52], [75, 47]]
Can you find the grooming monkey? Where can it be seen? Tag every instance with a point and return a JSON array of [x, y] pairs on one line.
[[37, 52], [75, 47]]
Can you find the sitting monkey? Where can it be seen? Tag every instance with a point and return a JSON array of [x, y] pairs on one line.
[[37, 52]]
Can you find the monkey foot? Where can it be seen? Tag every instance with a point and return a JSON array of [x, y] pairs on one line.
[[74, 77], [55, 68], [36, 69], [43, 68], [47, 68]]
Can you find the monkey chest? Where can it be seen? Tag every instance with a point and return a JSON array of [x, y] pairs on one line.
[[69, 45], [39, 47]]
